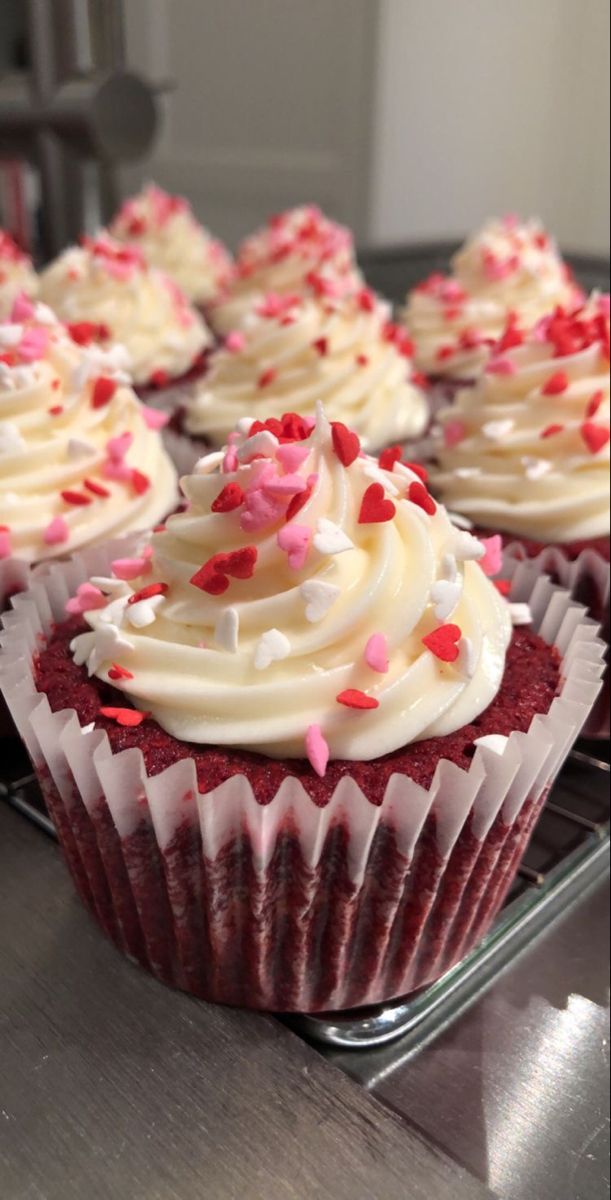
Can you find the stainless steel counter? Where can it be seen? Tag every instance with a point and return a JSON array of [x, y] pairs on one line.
[[115, 1088]]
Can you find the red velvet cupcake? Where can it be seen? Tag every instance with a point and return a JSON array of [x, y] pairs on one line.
[[294, 754]]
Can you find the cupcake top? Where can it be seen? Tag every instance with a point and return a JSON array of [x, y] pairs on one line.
[[104, 282], [170, 238], [505, 269], [80, 458], [310, 601], [297, 350], [16, 274], [279, 259], [527, 449]]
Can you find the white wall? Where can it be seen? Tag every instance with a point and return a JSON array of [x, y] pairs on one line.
[[490, 106]]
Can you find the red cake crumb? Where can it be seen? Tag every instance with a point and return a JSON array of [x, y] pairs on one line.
[[529, 685]]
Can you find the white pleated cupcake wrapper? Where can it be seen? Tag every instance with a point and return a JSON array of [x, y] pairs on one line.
[[14, 576], [81, 770]]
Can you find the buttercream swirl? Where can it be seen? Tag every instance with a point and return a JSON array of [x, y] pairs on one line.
[[506, 268], [81, 460], [527, 449], [295, 351], [294, 248], [107, 283], [170, 237], [17, 275], [287, 607]]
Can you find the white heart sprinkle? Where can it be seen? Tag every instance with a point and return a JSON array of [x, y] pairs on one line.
[[460, 521], [264, 443], [108, 645], [520, 614], [467, 659], [492, 741], [115, 611], [495, 431], [330, 538], [245, 425], [467, 548], [209, 463], [319, 598], [110, 586], [271, 647], [449, 569], [44, 315], [227, 630], [536, 468], [144, 612], [80, 449], [445, 595]]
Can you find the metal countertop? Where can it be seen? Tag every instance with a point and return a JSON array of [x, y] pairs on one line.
[[112, 1087]]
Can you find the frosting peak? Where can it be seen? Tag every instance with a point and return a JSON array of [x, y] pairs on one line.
[[527, 449], [309, 601], [170, 237], [295, 350], [107, 283], [507, 268], [80, 458], [293, 249]]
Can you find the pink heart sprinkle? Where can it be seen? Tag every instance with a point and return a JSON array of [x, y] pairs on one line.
[[117, 447], [291, 456], [454, 432], [230, 461], [57, 531], [260, 512], [285, 485], [376, 653], [118, 471], [131, 568], [295, 539], [23, 309], [235, 341], [33, 345], [87, 598], [317, 749], [153, 418], [501, 366], [492, 561]]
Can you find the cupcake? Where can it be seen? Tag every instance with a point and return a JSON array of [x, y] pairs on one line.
[[169, 236], [17, 274], [297, 350], [294, 752], [80, 458], [525, 453], [280, 259], [106, 290], [506, 270]]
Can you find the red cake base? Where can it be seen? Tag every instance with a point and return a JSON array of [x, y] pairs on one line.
[[291, 936]]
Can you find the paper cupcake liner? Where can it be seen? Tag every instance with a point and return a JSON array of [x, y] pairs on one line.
[[588, 578], [288, 906]]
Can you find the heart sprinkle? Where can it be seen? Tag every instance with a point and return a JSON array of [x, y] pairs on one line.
[[317, 749], [375, 508], [128, 717], [376, 653], [353, 698], [346, 444], [444, 642]]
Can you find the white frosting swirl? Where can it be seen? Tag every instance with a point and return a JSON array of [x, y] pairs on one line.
[[281, 257], [110, 284], [527, 449], [504, 268], [265, 661], [64, 482], [171, 239], [294, 352], [17, 275]]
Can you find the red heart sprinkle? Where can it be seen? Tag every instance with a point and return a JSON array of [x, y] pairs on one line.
[[75, 498], [443, 642], [209, 580], [389, 457], [145, 593], [140, 482], [322, 346], [230, 498], [159, 378], [241, 563], [551, 431], [117, 672], [345, 443], [297, 503], [267, 377], [418, 470], [375, 507], [212, 577], [595, 436], [103, 391], [96, 488], [556, 384], [418, 494], [595, 403], [353, 698], [129, 717]]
